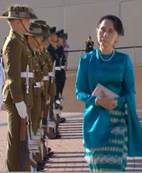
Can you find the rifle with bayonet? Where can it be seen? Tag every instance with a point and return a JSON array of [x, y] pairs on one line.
[[24, 132], [26, 126], [50, 117]]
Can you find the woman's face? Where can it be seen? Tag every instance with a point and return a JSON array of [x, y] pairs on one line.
[[107, 36]]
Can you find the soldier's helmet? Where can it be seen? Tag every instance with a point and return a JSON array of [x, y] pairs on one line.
[[36, 29], [19, 12]]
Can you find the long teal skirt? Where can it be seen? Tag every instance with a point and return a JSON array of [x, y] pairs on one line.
[[112, 156]]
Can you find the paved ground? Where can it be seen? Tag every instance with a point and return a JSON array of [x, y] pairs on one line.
[[3, 134], [68, 150]]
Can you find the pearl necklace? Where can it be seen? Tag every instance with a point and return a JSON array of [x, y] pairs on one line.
[[106, 59]]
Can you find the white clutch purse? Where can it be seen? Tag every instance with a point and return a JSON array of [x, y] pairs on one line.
[[102, 91]]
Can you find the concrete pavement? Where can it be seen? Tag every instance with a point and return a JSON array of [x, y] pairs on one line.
[[3, 139]]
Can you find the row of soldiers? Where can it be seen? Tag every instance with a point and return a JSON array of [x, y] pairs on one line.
[[34, 64]]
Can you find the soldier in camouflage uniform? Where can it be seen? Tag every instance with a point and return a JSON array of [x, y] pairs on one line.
[[18, 64]]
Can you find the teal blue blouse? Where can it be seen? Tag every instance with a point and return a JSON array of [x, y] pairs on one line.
[[116, 74]]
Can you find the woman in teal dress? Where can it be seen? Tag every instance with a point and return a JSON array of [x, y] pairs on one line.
[[111, 129]]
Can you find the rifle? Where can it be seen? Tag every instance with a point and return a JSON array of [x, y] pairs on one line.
[[47, 88], [23, 133], [23, 129], [52, 75], [23, 144], [51, 78], [50, 122], [29, 130], [26, 132]]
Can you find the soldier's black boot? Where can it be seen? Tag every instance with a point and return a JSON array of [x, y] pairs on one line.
[[58, 106], [49, 154], [60, 119]]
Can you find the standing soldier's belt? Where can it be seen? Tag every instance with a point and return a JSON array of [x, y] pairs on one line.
[[58, 68], [37, 85], [24, 74], [46, 78], [51, 74], [63, 67]]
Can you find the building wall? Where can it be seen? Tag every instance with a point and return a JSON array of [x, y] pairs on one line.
[[79, 19]]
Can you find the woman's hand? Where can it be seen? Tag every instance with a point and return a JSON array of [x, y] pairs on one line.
[[106, 102]]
